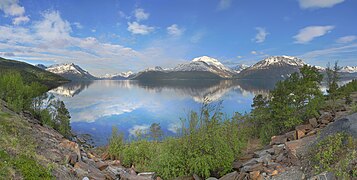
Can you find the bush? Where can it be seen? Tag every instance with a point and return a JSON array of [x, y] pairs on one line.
[[336, 153], [207, 146]]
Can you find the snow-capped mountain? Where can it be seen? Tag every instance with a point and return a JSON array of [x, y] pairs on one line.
[[207, 64], [71, 72], [240, 67], [274, 67], [119, 76], [349, 69], [199, 68]]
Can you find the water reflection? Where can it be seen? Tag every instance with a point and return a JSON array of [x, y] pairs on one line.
[[134, 105]]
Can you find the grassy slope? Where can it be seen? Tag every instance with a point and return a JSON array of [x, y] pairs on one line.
[[31, 73], [18, 157]]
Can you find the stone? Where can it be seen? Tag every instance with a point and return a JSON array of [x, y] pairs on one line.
[[278, 148], [72, 159], [326, 117], [274, 173], [254, 175], [92, 156], [236, 165], [250, 162], [101, 165], [313, 122], [278, 140], [280, 158], [314, 131], [304, 127], [255, 167], [150, 175], [265, 159], [67, 144], [300, 134], [323, 121], [115, 170], [211, 178], [115, 163], [272, 165], [105, 156], [91, 172], [291, 135], [196, 177], [231, 176], [246, 157]]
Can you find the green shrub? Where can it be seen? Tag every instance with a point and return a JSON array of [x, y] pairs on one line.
[[336, 153], [208, 145]]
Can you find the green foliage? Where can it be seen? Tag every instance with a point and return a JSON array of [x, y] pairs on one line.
[[332, 80], [293, 100], [335, 153], [116, 144], [21, 96], [208, 145], [30, 73], [26, 166], [16, 93]]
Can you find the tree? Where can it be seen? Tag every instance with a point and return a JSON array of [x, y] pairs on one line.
[[332, 80], [61, 118], [156, 131]]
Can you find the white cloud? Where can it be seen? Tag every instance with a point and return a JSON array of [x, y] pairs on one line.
[[78, 25], [224, 4], [346, 39], [254, 52], [309, 33], [314, 4], [136, 28], [50, 39], [12, 8], [20, 20], [140, 14], [261, 35], [347, 53], [174, 30]]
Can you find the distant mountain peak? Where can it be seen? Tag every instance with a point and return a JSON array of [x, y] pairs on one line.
[[349, 69], [70, 71], [278, 61]]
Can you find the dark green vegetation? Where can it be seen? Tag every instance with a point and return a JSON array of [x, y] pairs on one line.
[[31, 73], [18, 157], [21, 96], [293, 101], [334, 154], [179, 75]]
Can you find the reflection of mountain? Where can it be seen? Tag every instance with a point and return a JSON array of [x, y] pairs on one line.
[[200, 90], [71, 89]]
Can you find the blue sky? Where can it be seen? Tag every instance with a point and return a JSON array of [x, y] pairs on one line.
[[117, 35]]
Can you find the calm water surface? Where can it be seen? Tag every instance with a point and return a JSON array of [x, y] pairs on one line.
[[133, 106]]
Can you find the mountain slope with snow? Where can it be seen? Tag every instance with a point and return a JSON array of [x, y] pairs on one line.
[[119, 76], [274, 67], [71, 71], [199, 68]]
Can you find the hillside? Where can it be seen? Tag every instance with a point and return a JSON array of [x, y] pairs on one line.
[[31, 73], [71, 71]]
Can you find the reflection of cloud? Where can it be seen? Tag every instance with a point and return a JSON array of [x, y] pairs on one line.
[[139, 130], [174, 127]]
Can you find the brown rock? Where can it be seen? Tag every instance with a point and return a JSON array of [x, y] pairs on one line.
[[246, 157], [84, 169], [236, 165], [254, 175], [278, 140], [278, 148], [231, 176], [325, 121], [305, 127], [314, 131], [72, 158], [274, 173], [67, 144], [291, 135], [326, 117], [101, 165], [313, 122], [300, 134], [105, 156], [92, 156], [255, 167]]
